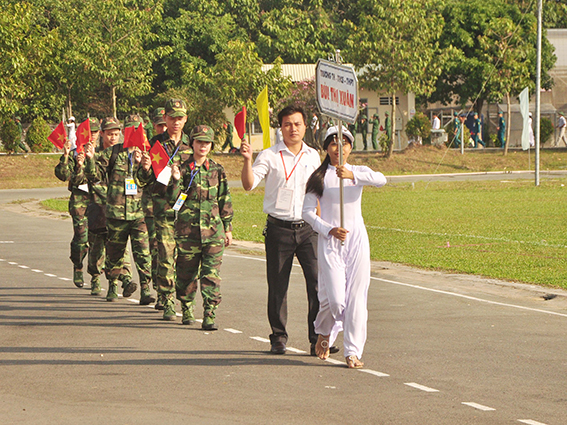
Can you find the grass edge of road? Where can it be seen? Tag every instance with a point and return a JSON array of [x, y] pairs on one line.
[[514, 235]]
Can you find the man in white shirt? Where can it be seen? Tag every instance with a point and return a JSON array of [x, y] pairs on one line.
[[436, 124], [561, 126], [286, 167]]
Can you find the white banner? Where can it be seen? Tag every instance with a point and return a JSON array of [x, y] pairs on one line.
[[337, 90]]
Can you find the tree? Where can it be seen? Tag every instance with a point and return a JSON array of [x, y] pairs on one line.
[[394, 44], [489, 39], [37, 134]]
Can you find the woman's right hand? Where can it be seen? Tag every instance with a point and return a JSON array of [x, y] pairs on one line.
[[339, 233]]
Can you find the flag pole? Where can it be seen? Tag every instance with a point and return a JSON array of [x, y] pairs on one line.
[[340, 143], [538, 91]]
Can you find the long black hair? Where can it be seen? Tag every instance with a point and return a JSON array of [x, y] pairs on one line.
[[316, 182]]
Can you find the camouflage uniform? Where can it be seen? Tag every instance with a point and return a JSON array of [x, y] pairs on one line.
[[164, 219], [98, 235], [78, 202], [124, 218], [375, 121], [200, 233]]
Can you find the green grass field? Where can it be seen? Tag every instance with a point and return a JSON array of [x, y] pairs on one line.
[[507, 230]]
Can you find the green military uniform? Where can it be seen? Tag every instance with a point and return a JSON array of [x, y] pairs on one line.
[[228, 141], [363, 127], [388, 125], [375, 121], [78, 202], [476, 132], [501, 130], [164, 216], [457, 128], [200, 229], [97, 233], [352, 128], [124, 217]]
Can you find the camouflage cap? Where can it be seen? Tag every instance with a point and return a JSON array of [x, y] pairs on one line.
[[94, 124], [203, 133], [176, 108], [133, 120], [157, 116], [110, 123]]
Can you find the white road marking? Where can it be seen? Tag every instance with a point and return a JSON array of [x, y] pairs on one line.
[[50, 275], [23, 267], [37, 271], [374, 372], [65, 278], [6, 242], [295, 350], [1, 259], [530, 422], [333, 361], [468, 297], [259, 338], [421, 387], [477, 406], [12, 263], [233, 331]]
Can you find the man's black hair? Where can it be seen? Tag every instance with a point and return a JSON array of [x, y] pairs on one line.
[[290, 110]]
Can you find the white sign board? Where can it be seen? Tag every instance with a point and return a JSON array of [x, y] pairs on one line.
[[337, 90]]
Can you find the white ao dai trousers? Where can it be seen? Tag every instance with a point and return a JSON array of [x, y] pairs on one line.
[[344, 271]]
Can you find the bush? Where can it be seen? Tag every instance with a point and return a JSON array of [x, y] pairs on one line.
[[37, 135], [546, 129], [418, 128], [9, 134]]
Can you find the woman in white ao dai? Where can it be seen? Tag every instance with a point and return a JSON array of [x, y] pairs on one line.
[[344, 269]]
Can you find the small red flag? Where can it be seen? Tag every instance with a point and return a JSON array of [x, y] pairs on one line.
[[381, 128], [128, 131], [240, 122], [83, 135], [59, 136], [138, 139], [159, 158]]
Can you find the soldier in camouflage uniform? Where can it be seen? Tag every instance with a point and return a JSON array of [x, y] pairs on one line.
[[124, 215], [175, 143], [159, 126], [78, 202], [97, 206], [203, 226]]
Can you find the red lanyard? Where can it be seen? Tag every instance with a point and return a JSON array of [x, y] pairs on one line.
[[293, 169]]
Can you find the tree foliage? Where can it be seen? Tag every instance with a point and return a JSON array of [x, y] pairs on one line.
[[37, 134]]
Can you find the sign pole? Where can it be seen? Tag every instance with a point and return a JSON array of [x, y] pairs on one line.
[[340, 143]]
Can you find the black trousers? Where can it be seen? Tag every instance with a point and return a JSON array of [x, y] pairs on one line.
[[282, 244]]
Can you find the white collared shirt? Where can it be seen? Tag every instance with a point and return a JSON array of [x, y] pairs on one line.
[[269, 165]]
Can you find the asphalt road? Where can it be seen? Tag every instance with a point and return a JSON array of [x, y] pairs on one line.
[[442, 349]]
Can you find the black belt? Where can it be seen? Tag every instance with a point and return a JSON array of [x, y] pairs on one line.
[[286, 224]]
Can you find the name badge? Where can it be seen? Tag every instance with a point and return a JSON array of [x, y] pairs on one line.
[[131, 186], [83, 187], [284, 200], [180, 201], [165, 176]]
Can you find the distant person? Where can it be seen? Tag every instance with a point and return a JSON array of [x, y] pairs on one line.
[[435, 123], [388, 127], [531, 131], [344, 270], [71, 132], [229, 128], [561, 126], [375, 121], [476, 132], [501, 130], [457, 129], [363, 127]]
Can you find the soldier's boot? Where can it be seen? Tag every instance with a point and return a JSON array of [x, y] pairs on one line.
[[188, 315], [128, 287], [160, 302], [95, 286], [169, 308], [112, 294], [209, 320], [146, 297], [78, 277]]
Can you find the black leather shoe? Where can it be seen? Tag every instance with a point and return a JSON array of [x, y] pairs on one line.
[[278, 348], [334, 349]]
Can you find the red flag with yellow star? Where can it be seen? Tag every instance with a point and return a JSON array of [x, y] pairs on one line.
[[159, 158], [138, 139], [59, 136], [83, 135]]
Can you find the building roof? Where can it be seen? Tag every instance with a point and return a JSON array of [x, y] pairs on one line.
[[297, 72]]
